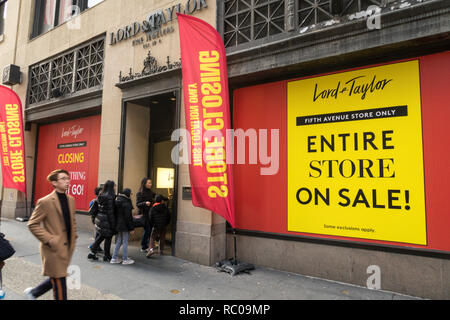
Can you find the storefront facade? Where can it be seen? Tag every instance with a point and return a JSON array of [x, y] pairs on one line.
[[354, 98], [102, 96], [343, 110]]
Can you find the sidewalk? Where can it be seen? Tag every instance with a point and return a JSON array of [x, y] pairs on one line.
[[166, 277]]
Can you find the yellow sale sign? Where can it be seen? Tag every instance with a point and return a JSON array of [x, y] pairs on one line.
[[355, 158]]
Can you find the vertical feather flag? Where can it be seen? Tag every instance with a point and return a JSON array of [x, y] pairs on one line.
[[12, 140], [207, 114]]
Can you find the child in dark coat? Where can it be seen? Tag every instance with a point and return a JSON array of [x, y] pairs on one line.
[[159, 218], [124, 226]]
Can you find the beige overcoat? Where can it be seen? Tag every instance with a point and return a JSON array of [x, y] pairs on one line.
[[47, 224]]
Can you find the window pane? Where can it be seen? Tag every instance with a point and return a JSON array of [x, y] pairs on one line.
[[65, 10], [92, 3], [49, 15]]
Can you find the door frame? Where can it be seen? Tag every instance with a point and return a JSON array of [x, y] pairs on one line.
[[122, 147]]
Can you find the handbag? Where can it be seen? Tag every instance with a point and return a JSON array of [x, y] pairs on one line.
[[139, 221], [6, 249]]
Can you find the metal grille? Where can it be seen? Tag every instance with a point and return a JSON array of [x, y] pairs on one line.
[[77, 70], [248, 20], [89, 66], [62, 74], [314, 11], [352, 6], [39, 81]]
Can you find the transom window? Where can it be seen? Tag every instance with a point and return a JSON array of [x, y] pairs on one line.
[[51, 13]]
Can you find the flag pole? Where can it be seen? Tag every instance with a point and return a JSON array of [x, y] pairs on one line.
[[24, 219], [26, 207], [234, 235]]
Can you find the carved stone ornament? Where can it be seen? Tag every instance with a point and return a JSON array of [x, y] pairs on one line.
[[151, 67]]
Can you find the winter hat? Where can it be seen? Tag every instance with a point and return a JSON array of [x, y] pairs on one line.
[[126, 192], [160, 198]]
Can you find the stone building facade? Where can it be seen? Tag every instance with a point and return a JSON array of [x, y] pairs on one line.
[[102, 93]]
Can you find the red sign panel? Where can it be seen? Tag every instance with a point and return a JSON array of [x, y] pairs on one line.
[[73, 146], [263, 198]]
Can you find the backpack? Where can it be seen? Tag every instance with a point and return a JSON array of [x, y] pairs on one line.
[[6, 249], [93, 210]]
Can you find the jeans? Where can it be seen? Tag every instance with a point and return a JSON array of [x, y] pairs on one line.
[[107, 245], [146, 236], [96, 235], [158, 234], [121, 239]]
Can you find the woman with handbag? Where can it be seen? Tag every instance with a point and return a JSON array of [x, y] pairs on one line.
[[144, 202], [124, 227], [105, 221]]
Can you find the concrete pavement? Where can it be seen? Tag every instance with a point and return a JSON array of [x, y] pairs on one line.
[[166, 277]]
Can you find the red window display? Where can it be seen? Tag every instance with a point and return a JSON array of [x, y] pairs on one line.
[[74, 146], [263, 199]]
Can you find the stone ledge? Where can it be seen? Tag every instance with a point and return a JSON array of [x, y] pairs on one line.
[[201, 229]]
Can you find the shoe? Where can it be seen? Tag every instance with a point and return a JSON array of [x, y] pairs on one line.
[[150, 252], [128, 261], [28, 293], [144, 250], [115, 261], [100, 250], [92, 256], [107, 259]]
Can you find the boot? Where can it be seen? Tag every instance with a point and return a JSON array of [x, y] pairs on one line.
[[92, 256]]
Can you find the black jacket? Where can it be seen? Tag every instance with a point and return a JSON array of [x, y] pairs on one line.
[[159, 216], [105, 221], [141, 198], [124, 217]]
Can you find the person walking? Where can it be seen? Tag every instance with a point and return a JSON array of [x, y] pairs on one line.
[[6, 251], [124, 226], [160, 218], [144, 201], [105, 221], [53, 224]]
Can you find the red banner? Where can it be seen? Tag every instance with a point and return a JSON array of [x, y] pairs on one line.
[[11, 135], [206, 105]]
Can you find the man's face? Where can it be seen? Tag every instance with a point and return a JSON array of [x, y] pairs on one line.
[[62, 183]]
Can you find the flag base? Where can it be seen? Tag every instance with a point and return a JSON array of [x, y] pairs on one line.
[[234, 267]]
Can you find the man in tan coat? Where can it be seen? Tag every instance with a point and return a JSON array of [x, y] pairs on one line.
[[53, 223]]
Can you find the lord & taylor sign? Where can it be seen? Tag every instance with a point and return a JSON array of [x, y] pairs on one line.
[[156, 20]]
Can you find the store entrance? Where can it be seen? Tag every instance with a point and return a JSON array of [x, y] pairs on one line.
[[146, 149]]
